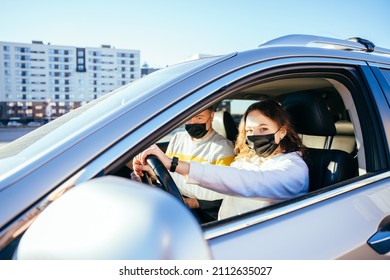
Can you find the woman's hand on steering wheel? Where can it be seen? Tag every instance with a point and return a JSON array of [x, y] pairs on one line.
[[164, 177]]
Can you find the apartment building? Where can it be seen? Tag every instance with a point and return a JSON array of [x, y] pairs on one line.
[[40, 81]]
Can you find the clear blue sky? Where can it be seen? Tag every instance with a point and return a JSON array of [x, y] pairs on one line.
[[168, 31]]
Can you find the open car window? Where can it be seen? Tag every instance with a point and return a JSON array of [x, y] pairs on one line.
[[336, 95]]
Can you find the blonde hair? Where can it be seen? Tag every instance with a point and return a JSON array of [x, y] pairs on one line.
[[273, 110]]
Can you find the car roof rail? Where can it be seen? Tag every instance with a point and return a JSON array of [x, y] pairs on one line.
[[351, 44]]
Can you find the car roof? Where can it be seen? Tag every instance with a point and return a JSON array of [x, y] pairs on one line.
[[355, 45]]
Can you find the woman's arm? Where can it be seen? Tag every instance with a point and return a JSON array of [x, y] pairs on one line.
[[284, 180], [139, 164]]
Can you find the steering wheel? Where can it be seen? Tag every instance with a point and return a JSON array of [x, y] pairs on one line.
[[164, 177]]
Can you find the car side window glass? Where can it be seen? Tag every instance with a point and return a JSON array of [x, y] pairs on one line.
[[386, 74]]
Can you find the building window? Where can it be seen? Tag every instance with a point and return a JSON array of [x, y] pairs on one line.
[[23, 50], [80, 67]]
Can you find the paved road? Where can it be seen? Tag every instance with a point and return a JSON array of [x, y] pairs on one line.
[[9, 134]]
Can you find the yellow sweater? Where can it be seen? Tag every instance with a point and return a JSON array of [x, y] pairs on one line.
[[214, 149]]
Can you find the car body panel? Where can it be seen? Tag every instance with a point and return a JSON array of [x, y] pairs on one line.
[[321, 230]]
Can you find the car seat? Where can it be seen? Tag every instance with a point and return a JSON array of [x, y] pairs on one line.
[[310, 116], [345, 137], [224, 124]]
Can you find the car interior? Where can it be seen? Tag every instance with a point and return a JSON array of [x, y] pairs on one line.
[[323, 113]]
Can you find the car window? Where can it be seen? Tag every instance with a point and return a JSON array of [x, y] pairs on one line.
[[386, 73], [341, 98], [236, 108], [333, 98]]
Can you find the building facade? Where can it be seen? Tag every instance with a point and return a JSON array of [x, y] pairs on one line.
[[39, 81], [146, 70]]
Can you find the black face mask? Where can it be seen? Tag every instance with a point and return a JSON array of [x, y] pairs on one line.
[[196, 130], [262, 145]]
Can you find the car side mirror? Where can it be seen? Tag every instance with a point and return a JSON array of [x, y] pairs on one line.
[[114, 218]]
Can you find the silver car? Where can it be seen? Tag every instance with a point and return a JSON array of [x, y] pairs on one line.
[[66, 193]]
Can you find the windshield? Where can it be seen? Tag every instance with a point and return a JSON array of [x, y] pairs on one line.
[[49, 136]]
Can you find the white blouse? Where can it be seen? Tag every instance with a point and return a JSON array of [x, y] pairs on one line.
[[251, 184]]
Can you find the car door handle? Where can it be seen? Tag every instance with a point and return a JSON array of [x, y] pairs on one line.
[[380, 241]]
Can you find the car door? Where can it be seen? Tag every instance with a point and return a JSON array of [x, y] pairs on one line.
[[341, 222], [332, 223]]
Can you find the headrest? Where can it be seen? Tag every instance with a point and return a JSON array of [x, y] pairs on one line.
[[309, 114], [344, 128], [224, 124]]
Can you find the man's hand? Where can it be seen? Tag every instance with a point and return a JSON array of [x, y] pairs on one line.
[[140, 169], [191, 202]]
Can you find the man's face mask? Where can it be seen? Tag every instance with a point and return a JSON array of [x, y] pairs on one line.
[[196, 130], [262, 145]]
